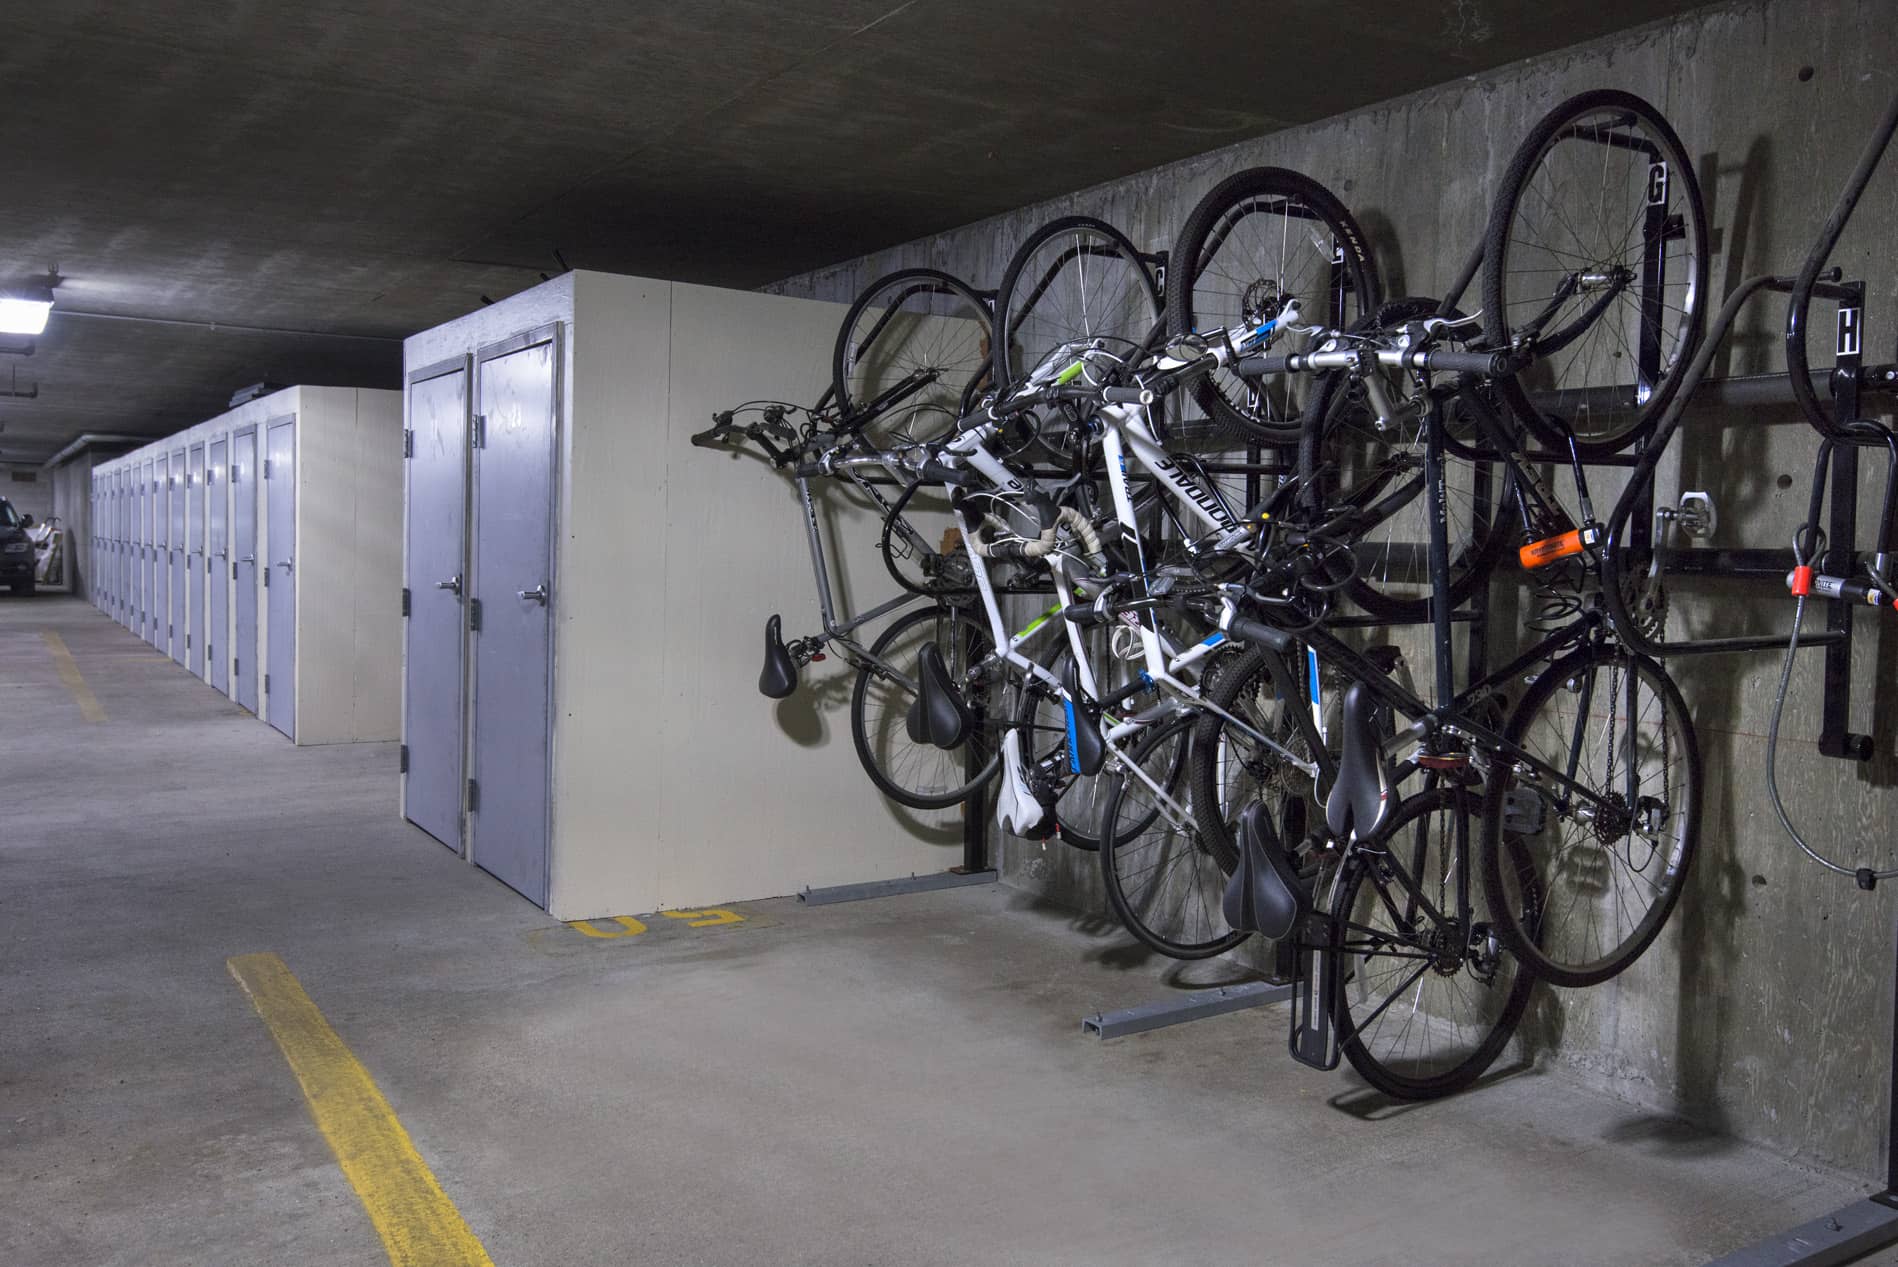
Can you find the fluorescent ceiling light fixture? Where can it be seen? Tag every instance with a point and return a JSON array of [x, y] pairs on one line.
[[24, 312]]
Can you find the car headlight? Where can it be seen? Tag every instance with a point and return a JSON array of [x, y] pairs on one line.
[[19, 547]]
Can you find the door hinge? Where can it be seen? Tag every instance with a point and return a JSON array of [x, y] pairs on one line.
[[408, 443], [405, 600], [266, 684], [266, 577], [402, 761], [474, 615], [478, 431], [266, 468], [237, 667], [233, 569], [474, 796]]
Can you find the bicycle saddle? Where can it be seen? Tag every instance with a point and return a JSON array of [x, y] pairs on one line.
[[1360, 796], [1086, 748], [779, 676], [1264, 893], [938, 716]]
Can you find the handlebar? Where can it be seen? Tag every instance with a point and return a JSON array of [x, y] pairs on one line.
[[1444, 360], [929, 468]]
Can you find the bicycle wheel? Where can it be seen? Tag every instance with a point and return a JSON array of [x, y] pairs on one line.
[[1599, 232], [922, 775], [1380, 469], [1230, 769], [1076, 279], [1080, 801], [920, 337], [922, 548], [1162, 878], [1612, 866], [1431, 993], [1259, 238]]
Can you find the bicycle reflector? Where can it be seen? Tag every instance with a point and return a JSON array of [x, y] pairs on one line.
[[1546, 551]]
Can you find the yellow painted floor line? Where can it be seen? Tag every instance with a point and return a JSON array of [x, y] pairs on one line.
[[70, 675], [416, 1220]]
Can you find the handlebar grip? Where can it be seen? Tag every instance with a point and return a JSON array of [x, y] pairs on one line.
[[1127, 395], [809, 470], [941, 474], [1079, 614], [710, 439], [1257, 631], [1259, 366], [1488, 364]]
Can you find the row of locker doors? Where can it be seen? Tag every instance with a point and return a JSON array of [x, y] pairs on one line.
[[176, 554], [477, 721]]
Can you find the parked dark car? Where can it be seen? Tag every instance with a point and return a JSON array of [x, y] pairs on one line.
[[16, 552]]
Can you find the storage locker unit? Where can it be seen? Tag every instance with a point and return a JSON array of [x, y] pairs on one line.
[[217, 562], [587, 593], [276, 557]]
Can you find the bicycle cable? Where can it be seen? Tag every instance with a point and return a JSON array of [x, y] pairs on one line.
[[1866, 876]]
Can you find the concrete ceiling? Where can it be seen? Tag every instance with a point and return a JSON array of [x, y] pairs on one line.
[[282, 192]]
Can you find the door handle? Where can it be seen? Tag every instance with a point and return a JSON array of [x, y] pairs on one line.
[[249, 558], [538, 594], [286, 565], [453, 584]]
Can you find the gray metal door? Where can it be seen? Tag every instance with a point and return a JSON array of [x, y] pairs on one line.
[[161, 551], [141, 501], [175, 555], [280, 580], [149, 564], [194, 561], [516, 403], [244, 566], [435, 660], [217, 567]]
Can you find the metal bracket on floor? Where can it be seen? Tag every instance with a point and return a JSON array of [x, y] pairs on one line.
[[1840, 1237], [889, 888], [1187, 1007]]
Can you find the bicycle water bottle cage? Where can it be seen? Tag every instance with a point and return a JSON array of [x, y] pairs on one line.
[[1264, 893], [1086, 749], [938, 716], [1360, 796], [779, 676]]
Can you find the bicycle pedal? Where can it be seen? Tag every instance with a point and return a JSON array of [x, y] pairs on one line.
[[1317, 992]]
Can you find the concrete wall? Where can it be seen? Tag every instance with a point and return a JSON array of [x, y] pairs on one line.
[[28, 488], [1766, 1010]]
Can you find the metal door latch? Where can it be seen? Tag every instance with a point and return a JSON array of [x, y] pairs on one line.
[[538, 594], [452, 584]]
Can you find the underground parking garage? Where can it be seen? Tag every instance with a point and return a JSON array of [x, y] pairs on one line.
[[940, 633]]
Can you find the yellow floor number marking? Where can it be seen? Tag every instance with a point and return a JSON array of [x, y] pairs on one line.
[[708, 918], [632, 927], [417, 1222], [68, 670]]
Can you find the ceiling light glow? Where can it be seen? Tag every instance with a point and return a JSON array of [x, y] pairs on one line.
[[24, 314]]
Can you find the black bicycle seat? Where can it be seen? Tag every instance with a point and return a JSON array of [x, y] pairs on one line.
[[1264, 893], [938, 716], [1360, 796], [779, 676]]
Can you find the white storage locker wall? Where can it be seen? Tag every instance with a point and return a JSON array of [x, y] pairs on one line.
[[670, 783], [340, 460]]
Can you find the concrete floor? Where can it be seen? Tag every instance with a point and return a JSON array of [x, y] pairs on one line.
[[899, 1081]]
